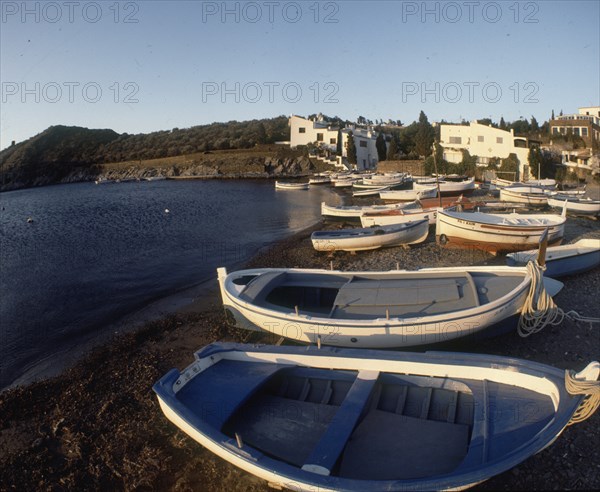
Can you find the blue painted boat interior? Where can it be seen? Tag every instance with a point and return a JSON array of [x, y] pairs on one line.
[[375, 427]]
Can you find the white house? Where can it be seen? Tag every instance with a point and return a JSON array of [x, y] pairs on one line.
[[321, 133], [485, 142]]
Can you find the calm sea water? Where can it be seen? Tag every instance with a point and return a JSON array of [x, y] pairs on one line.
[[95, 253]]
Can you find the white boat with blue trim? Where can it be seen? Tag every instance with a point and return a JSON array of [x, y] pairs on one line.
[[312, 419]]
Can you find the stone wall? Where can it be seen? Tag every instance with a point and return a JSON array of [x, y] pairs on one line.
[[415, 167]]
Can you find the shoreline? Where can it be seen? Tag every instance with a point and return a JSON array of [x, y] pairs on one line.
[[98, 424]]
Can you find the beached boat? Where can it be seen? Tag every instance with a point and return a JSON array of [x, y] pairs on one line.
[[502, 183], [280, 185], [568, 259], [530, 195], [399, 216], [310, 419], [353, 212], [408, 195], [497, 232], [449, 187], [369, 191], [362, 239], [575, 205], [398, 308]]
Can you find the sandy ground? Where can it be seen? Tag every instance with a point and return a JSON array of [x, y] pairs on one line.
[[99, 426]]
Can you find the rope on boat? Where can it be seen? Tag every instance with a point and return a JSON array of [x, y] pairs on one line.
[[539, 309], [591, 401]]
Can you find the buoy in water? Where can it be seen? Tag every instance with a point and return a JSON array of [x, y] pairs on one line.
[[29, 220], [166, 210]]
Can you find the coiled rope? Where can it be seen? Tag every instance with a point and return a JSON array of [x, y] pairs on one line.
[[539, 309], [590, 402]]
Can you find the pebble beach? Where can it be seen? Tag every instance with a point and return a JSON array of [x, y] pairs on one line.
[[99, 426]]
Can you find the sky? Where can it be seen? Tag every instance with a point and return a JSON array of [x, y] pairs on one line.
[[143, 66]]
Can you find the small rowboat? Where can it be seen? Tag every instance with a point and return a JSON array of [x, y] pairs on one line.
[[319, 180], [400, 216], [497, 232], [310, 419], [448, 188], [369, 191], [398, 308], [408, 195], [575, 205], [530, 195], [568, 259], [280, 185], [370, 238], [354, 212]]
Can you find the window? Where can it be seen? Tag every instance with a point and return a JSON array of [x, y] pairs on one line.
[[480, 138], [301, 130], [332, 141], [562, 130], [584, 132], [576, 131], [499, 140], [319, 137], [363, 143], [555, 130], [455, 140]]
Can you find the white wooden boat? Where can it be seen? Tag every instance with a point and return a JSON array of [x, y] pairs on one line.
[[567, 259], [449, 187], [362, 239], [575, 205], [370, 184], [281, 185], [545, 183], [369, 191], [524, 194], [353, 212], [497, 232], [399, 216], [502, 183], [319, 180], [397, 308], [303, 418], [408, 195]]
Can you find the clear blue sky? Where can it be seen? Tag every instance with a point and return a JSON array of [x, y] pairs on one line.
[[142, 66]]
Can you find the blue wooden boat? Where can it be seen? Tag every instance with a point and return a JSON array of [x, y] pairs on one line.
[[310, 418], [568, 259]]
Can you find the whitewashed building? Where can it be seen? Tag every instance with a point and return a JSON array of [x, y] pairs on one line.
[[485, 142], [319, 132]]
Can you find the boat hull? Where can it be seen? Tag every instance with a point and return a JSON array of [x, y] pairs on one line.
[[499, 432], [369, 239], [394, 332], [576, 207], [534, 199], [466, 232], [562, 261]]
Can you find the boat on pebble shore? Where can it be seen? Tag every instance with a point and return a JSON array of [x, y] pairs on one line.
[[362, 239], [353, 212]]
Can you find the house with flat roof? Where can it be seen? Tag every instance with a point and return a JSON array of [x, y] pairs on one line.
[[485, 142], [319, 132], [584, 124]]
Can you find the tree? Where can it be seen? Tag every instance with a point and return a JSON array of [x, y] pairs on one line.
[[535, 161], [393, 150], [338, 145], [351, 149], [534, 124], [502, 124], [552, 115], [424, 137], [381, 147], [510, 165], [261, 133]]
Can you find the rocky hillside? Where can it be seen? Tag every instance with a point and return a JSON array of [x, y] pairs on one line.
[[67, 154]]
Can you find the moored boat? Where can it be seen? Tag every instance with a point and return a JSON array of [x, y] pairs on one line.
[[398, 216], [281, 185], [362, 239], [530, 195], [304, 418], [497, 232], [567, 259]]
